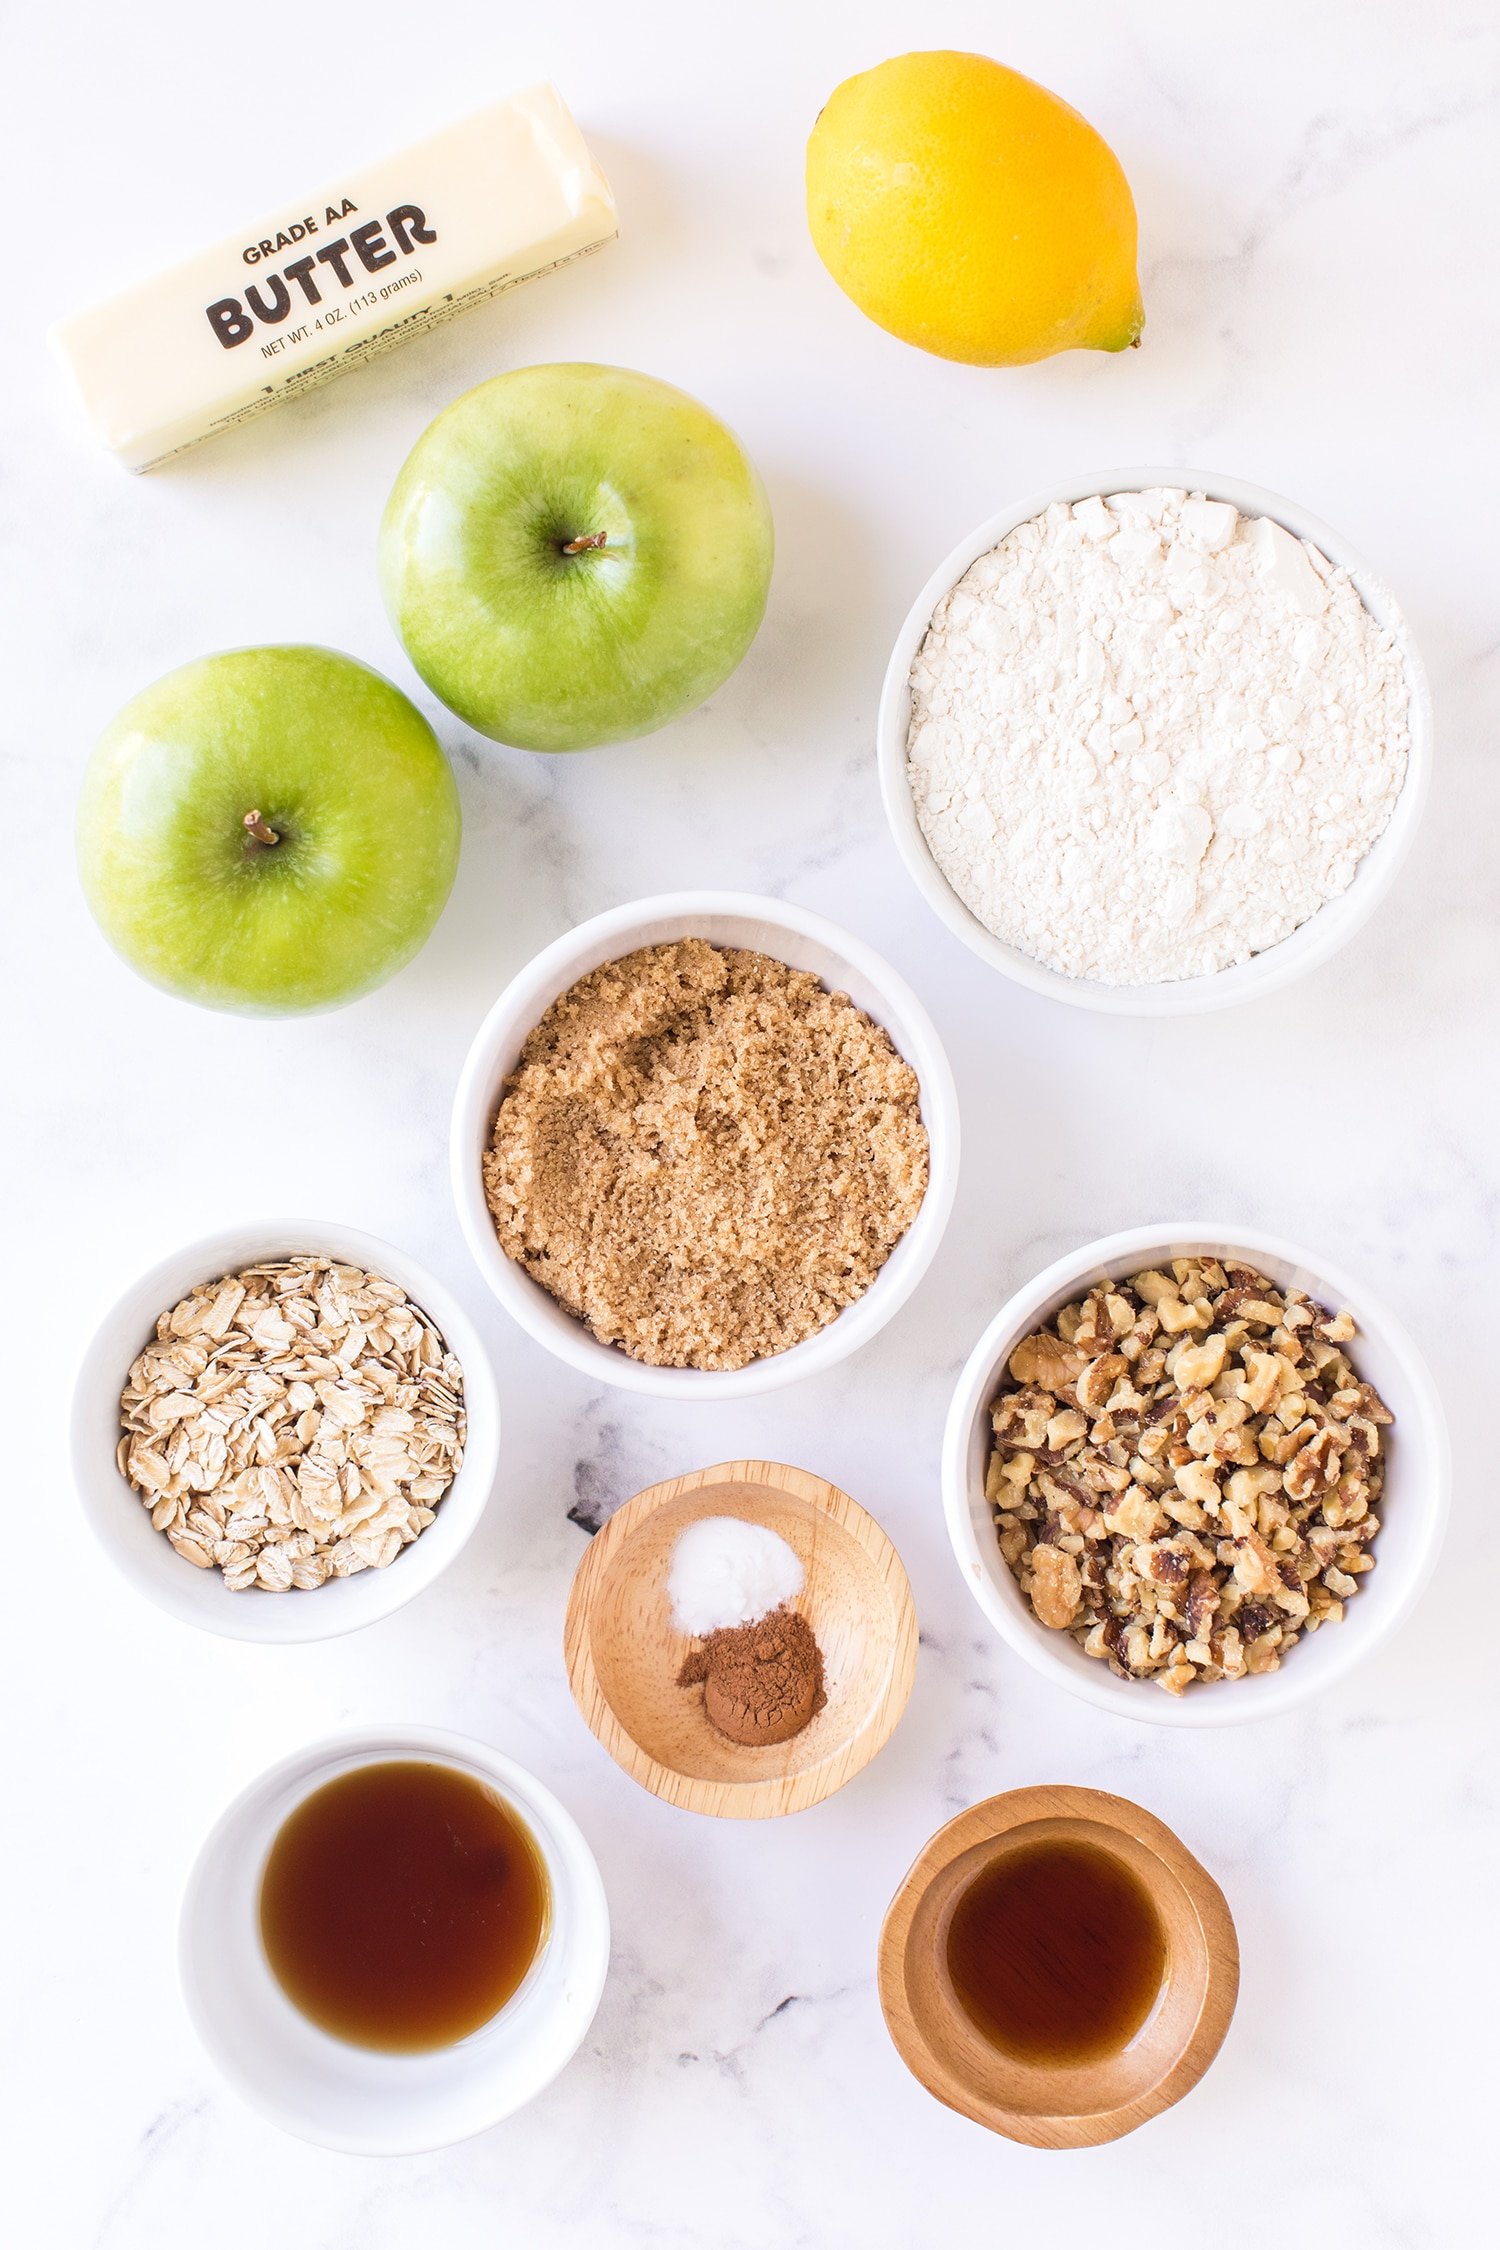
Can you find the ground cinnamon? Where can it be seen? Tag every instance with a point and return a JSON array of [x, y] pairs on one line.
[[762, 1682]]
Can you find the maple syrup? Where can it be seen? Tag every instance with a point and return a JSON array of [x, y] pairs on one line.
[[402, 1905], [1056, 1952]]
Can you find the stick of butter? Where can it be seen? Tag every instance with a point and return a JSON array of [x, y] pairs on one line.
[[328, 282]]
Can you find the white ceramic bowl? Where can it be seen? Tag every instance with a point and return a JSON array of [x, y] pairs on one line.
[[122, 1524], [1413, 1513], [346, 2097], [765, 925], [1280, 965]]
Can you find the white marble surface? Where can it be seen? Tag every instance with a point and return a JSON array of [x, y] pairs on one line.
[[1317, 188]]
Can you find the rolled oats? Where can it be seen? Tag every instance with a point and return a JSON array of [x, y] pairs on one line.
[[298, 1421], [1185, 1472]]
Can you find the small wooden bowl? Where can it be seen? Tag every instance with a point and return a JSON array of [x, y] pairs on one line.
[[624, 1653], [1063, 2107]]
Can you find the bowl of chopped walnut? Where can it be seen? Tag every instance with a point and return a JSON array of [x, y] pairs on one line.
[[1180, 1458]]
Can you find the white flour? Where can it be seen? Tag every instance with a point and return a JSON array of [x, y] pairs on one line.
[[1150, 736]]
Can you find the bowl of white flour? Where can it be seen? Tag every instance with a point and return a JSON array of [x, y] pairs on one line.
[[1154, 742]]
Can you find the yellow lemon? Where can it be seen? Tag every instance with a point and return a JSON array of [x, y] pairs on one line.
[[966, 209]]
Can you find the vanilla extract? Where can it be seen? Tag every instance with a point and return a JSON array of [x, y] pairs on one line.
[[1056, 1952]]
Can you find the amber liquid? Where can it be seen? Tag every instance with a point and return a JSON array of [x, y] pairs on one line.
[[402, 1906], [1056, 1953]]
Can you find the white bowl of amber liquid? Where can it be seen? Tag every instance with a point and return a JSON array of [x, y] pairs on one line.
[[404, 2071]]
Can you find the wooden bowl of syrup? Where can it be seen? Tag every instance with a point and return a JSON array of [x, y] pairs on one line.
[[1058, 1967], [624, 1653]]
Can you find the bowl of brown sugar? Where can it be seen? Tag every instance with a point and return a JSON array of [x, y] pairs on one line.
[[742, 1640], [704, 1145]]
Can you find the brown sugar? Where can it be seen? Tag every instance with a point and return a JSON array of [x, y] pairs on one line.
[[761, 1682], [705, 1155]]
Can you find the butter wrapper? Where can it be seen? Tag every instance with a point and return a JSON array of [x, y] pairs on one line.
[[326, 283]]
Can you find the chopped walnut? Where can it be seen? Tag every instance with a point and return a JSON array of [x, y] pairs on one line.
[[1054, 1586], [1045, 1359], [1186, 1472], [1193, 1367], [1098, 1380]]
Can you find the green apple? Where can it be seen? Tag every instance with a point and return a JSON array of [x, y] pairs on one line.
[[574, 555], [268, 830]]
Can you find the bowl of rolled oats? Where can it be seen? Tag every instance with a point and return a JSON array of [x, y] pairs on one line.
[[284, 1431], [1194, 1475]]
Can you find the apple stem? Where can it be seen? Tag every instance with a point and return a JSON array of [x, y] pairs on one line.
[[582, 546], [256, 827]]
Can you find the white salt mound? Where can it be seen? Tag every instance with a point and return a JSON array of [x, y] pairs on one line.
[[729, 1572]]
